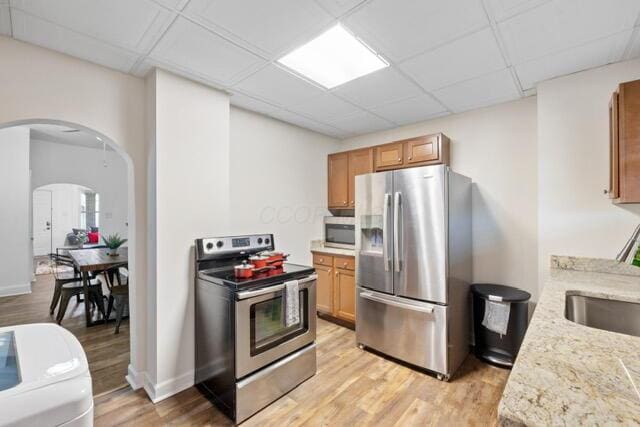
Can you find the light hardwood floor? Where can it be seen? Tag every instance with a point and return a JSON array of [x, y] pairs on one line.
[[351, 388], [107, 353]]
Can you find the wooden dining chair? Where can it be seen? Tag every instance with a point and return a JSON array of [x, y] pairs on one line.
[[118, 285]]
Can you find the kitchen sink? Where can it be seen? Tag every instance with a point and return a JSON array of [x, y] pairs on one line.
[[607, 314]]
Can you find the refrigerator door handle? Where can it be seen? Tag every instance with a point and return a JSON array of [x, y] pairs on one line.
[[383, 300], [385, 231], [397, 232]]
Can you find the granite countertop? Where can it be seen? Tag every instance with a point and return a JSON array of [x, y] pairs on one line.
[[569, 374], [318, 246]]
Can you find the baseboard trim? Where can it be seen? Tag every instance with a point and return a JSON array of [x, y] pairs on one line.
[[341, 322], [7, 291], [134, 378], [165, 389]]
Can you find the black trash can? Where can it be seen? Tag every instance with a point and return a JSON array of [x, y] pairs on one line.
[[489, 345]]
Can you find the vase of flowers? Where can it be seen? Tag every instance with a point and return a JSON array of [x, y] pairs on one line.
[[113, 243]]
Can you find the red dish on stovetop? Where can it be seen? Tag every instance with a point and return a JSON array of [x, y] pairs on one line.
[[274, 258]]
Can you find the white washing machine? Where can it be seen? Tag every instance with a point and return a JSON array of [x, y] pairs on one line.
[[44, 377]]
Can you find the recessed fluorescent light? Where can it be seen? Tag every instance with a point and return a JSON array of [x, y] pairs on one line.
[[333, 58]]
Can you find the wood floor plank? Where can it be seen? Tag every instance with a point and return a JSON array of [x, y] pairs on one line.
[[107, 353], [352, 387]]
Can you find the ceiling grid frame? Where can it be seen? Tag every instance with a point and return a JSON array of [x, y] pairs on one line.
[[494, 12]]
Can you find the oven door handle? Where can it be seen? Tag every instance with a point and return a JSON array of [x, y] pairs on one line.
[[271, 289]]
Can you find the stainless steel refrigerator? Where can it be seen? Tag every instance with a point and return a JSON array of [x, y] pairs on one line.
[[413, 266]]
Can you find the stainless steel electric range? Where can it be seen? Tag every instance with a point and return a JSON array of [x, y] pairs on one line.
[[245, 355]]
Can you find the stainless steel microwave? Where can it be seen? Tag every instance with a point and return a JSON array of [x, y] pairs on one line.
[[340, 232]]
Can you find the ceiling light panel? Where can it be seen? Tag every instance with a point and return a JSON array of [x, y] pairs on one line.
[[333, 58]]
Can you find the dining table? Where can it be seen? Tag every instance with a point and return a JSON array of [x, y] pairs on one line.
[[97, 260]]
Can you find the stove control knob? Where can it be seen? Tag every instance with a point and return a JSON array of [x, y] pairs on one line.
[[267, 241], [209, 246], [219, 244], [259, 240]]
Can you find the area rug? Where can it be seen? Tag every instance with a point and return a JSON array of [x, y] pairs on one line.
[[44, 265]]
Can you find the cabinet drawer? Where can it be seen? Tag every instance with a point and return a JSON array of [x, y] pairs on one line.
[[323, 259], [346, 262]]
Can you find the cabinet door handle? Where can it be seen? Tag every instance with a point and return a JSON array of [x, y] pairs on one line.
[[352, 202], [399, 159], [409, 158]]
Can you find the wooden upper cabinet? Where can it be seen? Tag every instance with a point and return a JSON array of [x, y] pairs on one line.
[[345, 166], [389, 156], [419, 151], [338, 196], [625, 144], [360, 162], [423, 149]]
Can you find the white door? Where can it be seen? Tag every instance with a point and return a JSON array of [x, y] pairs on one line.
[[42, 222]]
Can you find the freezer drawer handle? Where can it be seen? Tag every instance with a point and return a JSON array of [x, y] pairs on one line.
[[372, 297]]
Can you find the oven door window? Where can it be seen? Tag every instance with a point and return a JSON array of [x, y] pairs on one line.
[[267, 323], [340, 233]]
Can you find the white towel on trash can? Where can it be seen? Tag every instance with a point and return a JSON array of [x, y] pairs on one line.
[[291, 296], [496, 316]]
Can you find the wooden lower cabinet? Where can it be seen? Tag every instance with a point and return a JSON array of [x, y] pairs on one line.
[[324, 288], [344, 301], [336, 286]]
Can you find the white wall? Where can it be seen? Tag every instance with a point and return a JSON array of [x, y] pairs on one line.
[[576, 218], [53, 163], [15, 250], [191, 155], [37, 83], [496, 148], [65, 210], [278, 179]]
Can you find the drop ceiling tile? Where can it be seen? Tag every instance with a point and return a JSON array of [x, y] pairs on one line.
[[142, 67], [5, 20], [411, 110], [42, 33], [248, 103], [190, 47], [503, 9], [471, 56], [378, 88], [273, 26], [278, 86], [338, 8], [479, 92], [131, 24], [403, 28], [325, 107], [304, 122], [634, 51], [173, 4], [361, 123], [600, 52], [558, 25]]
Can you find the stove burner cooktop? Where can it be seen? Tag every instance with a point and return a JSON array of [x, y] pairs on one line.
[[226, 276]]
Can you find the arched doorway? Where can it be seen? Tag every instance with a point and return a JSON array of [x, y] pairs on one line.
[[109, 146]]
